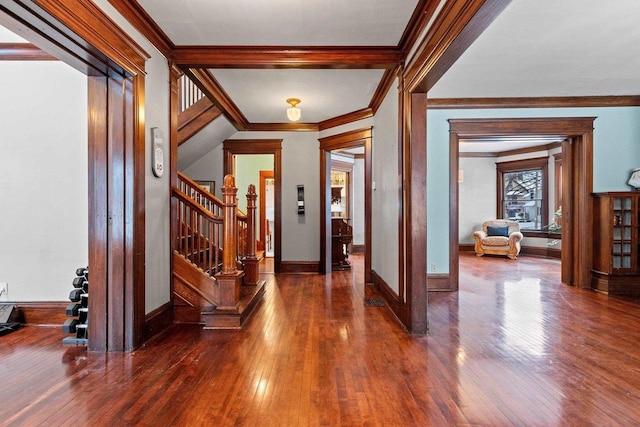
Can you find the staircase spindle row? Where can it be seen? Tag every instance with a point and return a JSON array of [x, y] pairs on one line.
[[189, 93]]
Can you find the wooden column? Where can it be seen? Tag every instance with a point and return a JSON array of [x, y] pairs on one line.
[[230, 278], [251, 268]]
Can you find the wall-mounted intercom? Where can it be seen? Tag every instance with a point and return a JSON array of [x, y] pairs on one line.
[[300, 199], [157, 152]]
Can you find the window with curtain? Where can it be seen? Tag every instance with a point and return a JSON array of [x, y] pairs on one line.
[[522, 192]]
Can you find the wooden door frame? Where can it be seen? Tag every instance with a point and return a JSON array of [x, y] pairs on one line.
[[355, 138], [233, 147], [577, 184], [264, 175], [114, 64]]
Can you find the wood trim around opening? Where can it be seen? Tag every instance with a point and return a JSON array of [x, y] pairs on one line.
[[233, 147], [577, 150], [355, 138]]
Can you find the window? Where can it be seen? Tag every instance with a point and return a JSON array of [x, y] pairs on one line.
[[522, 192]]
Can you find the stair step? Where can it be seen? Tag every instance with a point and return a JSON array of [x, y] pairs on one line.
[[234, 319]]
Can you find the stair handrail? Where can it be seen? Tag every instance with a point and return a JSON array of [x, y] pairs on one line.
[[207, 200], [199, 234]]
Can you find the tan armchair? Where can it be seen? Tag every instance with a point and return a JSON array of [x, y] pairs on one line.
[[498, 237]]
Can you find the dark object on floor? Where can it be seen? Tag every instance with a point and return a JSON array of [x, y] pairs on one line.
[[374, 302], [7, 314]]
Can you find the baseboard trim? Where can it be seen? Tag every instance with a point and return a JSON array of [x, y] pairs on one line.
[[42, 313], [524, 250], [357, 249], [158, 320], [300, 267], [541, 252], [438, 282], [391, 298]]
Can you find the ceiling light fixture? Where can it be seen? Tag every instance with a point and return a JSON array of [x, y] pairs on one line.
[[293, 113]]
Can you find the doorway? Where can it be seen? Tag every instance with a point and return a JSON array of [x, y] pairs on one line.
[[267, 212], [115, 65], [577, 184], [344, 141], [233, 148]]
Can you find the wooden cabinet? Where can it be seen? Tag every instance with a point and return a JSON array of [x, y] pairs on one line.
[[616, 252]]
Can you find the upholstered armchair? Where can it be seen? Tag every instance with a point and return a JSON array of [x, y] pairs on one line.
[[498, 237]]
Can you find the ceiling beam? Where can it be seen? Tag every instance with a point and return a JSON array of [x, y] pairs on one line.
[[354, 116], [343, 57], [417, 24], [456, 27], [212, 89]]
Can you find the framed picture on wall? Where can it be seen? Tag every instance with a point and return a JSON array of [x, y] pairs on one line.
[[209, 186]]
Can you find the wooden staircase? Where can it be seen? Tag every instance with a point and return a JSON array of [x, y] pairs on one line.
[[215, 268]]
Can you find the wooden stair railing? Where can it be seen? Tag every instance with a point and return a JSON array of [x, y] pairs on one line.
[[199, 238], [219, 241]]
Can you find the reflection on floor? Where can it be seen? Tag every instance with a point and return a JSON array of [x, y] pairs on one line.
[[513, 347]]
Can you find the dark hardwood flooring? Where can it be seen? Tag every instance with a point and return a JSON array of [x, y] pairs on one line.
[[512, 347]]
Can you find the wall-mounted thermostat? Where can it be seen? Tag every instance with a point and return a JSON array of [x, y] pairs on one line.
[[300, 199], [157, 150]]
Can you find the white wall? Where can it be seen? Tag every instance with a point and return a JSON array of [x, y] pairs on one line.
[[477, 195], [209, 168], [385, 209], [43, 178], [157, 195]]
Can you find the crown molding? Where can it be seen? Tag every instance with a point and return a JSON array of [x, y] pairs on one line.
[[282, 127], [534, 102], [417, 24], [383, 88]]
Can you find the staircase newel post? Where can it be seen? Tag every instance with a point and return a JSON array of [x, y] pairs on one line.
[[251, 264], [230, 278]]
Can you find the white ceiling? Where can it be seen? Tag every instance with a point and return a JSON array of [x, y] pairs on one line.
[[261, 94], [282, 22], [551, 48]]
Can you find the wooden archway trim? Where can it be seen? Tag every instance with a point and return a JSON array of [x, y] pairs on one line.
[[577, 184], [84, 37], [232, 147], [355, 138]]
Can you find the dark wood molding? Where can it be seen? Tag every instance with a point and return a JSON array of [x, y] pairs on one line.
[[140, 19], [357, 249], [417, 24], [534, 102], [386, 82], [23, 52], [437, 282], [456, 27], [233, 147], [526, 150], [355, 138], [287, 57], [297, 267], [42, 313], [476, 155], [264, 175], [282, 127], [195, 118], [414, 248], [158, 320], [102, 37], [466, 247], [541, 252], [354, 116], [212, 89], [577, 181]]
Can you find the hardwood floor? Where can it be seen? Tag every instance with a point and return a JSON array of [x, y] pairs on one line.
[[512, 347]]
